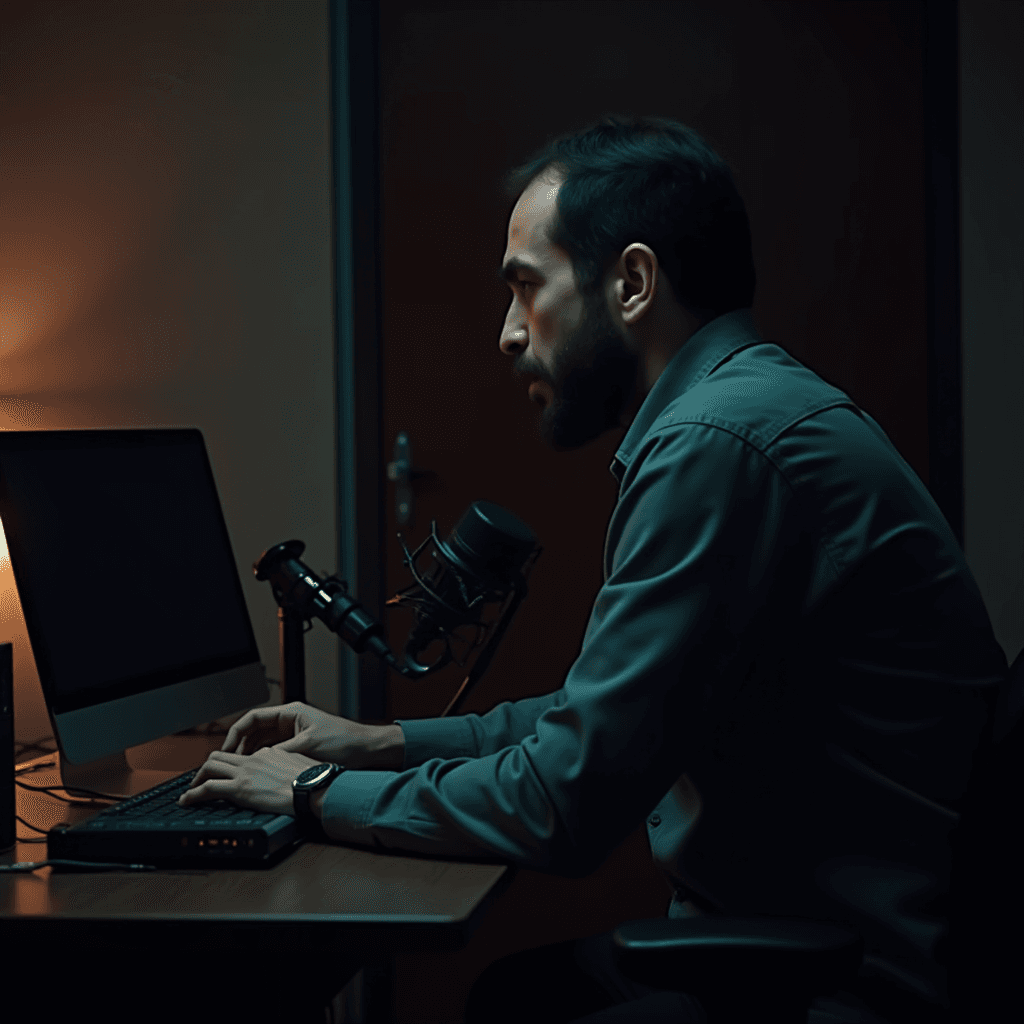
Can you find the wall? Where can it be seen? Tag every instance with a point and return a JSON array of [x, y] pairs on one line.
[[992, 261], [165, 260]]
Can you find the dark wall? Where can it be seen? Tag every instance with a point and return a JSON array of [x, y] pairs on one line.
[[817, 107]]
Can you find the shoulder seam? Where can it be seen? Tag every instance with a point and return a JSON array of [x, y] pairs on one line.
[[726, 429]]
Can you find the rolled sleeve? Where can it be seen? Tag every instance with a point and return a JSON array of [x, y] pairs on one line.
[[695, 547]]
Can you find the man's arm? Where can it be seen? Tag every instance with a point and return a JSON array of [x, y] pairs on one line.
[[699, 551], [388, 749], [504, 725], [471, 735]]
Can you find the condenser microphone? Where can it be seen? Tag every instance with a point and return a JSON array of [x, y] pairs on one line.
[[485, 558]]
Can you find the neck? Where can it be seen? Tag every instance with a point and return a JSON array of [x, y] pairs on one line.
[[656, 354]]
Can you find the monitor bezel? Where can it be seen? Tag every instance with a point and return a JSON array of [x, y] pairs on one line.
[[134, 686]]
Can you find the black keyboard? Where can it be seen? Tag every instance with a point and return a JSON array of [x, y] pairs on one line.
[[151, 828]]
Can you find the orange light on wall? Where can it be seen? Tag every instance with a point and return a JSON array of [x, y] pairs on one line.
[[30, 302]]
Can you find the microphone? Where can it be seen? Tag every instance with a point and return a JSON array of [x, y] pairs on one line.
[[486, 557], [304, 595]]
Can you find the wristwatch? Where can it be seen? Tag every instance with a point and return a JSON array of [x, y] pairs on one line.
[[320, 776]]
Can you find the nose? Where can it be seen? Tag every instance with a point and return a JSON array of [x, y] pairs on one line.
[[514, 336]]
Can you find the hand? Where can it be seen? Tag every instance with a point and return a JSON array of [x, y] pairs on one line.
[[302, 729], [261, 781]]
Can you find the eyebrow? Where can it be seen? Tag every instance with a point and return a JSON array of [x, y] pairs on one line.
[[507, 271]]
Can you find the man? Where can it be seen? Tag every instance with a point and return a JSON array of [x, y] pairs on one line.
[[785, 669]]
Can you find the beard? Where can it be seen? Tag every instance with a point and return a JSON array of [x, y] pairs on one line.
[[593, 378]]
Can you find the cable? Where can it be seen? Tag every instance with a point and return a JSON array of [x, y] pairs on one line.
[[67, 789], [50, 790], [23, 867], [31, 839], [29, 824], [91, 792], [20, 749]]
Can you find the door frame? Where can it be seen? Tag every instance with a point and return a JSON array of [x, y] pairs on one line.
[[940, 56], [355, 188]]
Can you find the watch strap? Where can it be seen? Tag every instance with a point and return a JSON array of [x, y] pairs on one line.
[[301, 795]]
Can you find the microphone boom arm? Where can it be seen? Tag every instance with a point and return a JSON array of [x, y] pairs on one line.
[[487, 557], [484, 657]]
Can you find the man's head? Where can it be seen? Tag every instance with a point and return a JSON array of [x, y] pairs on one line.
[[625, 239]]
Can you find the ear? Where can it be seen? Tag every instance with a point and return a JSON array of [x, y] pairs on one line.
[[636, 281]]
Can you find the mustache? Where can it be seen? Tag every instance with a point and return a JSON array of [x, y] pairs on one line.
[[524, 367]]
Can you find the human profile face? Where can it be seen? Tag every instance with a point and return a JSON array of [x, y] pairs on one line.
[[578, 360]]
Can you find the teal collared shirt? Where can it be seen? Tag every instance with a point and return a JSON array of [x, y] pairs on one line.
[[785, 673]]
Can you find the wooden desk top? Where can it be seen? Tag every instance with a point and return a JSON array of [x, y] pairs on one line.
[[318, 883]]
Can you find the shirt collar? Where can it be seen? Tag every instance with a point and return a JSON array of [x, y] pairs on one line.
[[704, 350]]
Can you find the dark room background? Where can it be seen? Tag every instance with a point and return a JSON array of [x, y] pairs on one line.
[[818, 108], [166, 219]]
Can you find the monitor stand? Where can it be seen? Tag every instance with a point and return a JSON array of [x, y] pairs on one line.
[[111, 775]]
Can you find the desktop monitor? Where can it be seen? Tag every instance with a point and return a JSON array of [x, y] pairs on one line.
[[129, 587]]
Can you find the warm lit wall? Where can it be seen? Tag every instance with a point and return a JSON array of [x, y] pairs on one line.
[[992, 246], [165, 260]]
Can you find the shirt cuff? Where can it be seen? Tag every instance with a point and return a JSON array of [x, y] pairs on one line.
[[427, 738], [347, 803]]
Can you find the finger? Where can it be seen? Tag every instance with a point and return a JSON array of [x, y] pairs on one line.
[[216, 765], [256, 722], [214, 769], [237, 731], [212, 789], [294, 745], [224, 757], [247, 743]]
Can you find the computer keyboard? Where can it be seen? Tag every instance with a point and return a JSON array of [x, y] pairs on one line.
[[159, 806], [152, 828]]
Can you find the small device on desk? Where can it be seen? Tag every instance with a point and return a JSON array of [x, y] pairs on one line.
[[7, 832], [139, 627]]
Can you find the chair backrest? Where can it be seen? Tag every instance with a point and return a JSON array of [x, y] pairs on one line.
[[986, 905]]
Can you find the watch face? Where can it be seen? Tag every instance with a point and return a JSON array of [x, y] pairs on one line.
[[313, 775]]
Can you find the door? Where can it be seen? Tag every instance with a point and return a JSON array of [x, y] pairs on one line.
[[818, 110]]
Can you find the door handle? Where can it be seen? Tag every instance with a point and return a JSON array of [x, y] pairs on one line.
[[402, 474]]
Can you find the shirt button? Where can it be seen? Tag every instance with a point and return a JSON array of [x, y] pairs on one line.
[[654, 819]]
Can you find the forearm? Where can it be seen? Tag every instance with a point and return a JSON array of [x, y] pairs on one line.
[[384, 751], [471, 735], [387, 749]]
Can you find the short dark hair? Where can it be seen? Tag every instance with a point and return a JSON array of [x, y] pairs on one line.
[[655, 181]]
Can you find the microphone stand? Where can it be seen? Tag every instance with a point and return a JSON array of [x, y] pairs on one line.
[[291, 634], [344, 616], [484, 657]]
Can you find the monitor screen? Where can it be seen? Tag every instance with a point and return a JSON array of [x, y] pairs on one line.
[[122, 560]]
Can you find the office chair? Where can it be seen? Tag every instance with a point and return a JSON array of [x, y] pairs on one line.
[[749, 970]]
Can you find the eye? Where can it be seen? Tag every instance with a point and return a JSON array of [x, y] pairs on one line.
[[526, 284]]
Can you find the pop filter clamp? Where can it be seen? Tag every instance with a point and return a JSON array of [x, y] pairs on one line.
[[487, 557]]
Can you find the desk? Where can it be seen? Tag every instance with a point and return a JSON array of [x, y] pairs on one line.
[[234, 943]]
